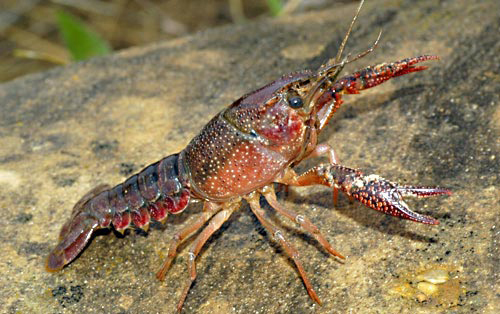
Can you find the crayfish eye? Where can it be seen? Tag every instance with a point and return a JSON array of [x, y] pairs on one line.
[[295, 102]]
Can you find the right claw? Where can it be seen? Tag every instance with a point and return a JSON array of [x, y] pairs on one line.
[[380, 194]]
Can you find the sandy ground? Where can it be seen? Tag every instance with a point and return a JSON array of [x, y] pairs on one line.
[[64, 131]]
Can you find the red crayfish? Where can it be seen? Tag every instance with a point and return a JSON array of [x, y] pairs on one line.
[[239, 155]]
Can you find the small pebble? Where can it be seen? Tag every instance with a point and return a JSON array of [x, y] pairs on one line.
[[435, 276]]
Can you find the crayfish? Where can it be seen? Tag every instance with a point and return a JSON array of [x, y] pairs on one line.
[[239, 155]]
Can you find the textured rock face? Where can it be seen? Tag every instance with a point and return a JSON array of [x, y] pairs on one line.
[[64, 131]]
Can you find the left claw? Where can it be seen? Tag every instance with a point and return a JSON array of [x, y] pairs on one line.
[[380, 194]]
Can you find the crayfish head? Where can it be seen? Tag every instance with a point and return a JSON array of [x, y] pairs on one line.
[[275, 115], [310, 96]]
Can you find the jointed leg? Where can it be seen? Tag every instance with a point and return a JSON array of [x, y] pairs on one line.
[[214, 225], [253, 200], [324, 149], [303, 221], [319, 150], [209, 209]]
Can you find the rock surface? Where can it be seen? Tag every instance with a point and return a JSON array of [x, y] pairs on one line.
[[64, 131]]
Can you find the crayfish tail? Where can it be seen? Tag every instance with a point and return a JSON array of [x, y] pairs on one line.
[[78, 232]]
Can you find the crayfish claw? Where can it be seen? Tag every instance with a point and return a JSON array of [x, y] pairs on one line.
[[422, 191], [383, 195]]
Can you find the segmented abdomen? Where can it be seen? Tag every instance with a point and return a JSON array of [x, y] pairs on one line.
[[157, 190]]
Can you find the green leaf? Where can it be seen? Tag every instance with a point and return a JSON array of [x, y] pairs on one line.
[[275, 7], [80, 40]]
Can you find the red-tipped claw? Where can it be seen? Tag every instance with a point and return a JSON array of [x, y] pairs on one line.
[[376, 75], [380, 194], [331, 98]]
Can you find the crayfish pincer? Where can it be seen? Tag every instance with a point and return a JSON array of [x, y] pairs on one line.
[[239, 155]]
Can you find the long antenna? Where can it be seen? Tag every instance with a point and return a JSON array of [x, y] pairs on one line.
[[325, 70], [344, 41]]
